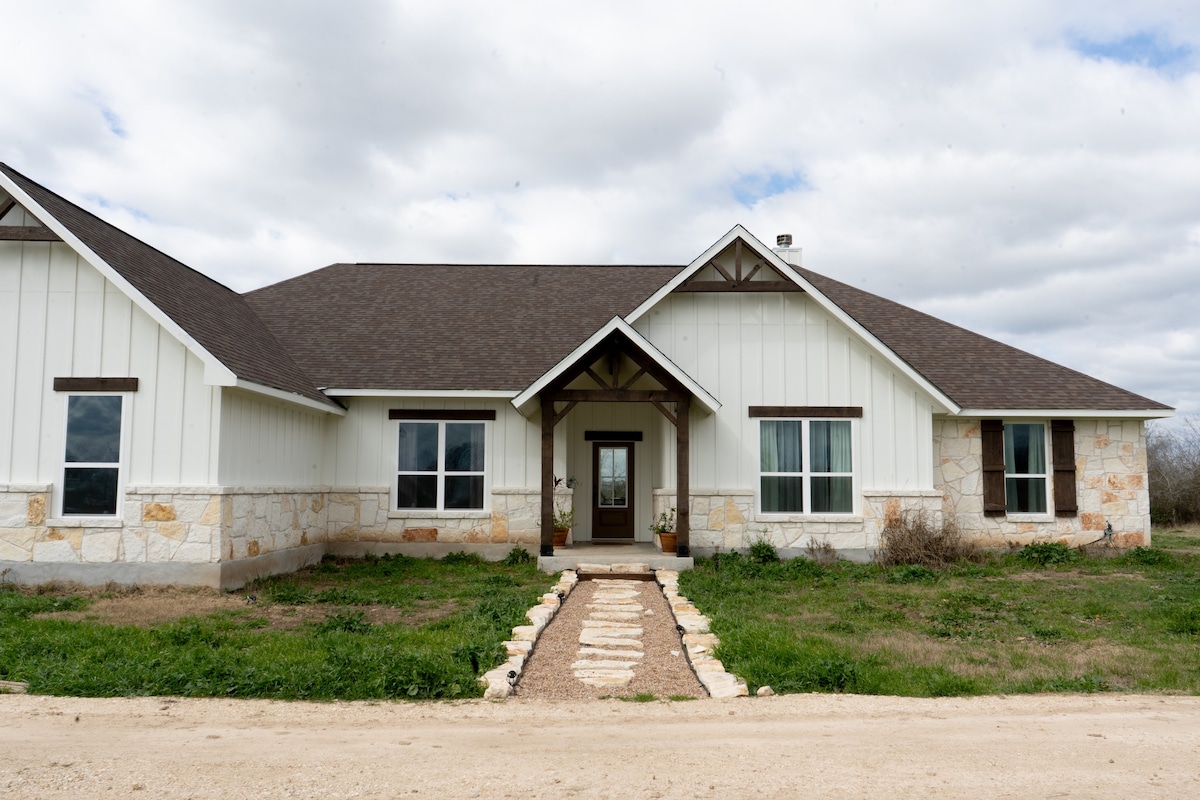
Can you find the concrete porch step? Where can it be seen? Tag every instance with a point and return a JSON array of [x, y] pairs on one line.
[[608, 554]]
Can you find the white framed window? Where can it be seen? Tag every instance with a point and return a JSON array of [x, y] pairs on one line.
[[806, 466], [92, 455], [1026, 468], [441, 465]]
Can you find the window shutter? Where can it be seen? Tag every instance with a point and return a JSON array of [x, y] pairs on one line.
[[1062, 443], [992, 431]]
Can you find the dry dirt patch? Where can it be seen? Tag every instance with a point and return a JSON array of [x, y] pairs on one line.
[[145, 606]]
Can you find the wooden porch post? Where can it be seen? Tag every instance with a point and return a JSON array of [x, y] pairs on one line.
[[683, 517], [547, 543]]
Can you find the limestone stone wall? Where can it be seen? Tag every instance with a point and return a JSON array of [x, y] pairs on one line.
[[1110, 475], [725, 519], [23, 514]]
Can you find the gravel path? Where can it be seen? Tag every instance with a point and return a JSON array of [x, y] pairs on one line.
[[662, 671]]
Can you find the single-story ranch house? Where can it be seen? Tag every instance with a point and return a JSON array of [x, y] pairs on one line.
[[156, 426]]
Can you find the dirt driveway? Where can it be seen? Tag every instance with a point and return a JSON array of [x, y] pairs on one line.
[[798, 746]]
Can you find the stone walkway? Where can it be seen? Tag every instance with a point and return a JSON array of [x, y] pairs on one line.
[[611, 638], [613, 631]]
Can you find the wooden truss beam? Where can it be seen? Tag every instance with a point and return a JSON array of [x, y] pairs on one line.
[[27, 233], [7, 205], [744, 286]]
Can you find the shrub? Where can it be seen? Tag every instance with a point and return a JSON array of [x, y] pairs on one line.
[[517, 556], [459, 557], [1148, 557], [915, 539], [821, 552], [763, 552], [1044, 554]]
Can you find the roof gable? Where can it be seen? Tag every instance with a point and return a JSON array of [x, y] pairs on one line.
[[211, 320], [527, 401]]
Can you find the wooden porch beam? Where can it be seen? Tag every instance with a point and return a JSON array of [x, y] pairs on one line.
[[641, 371], [559, 416], [603, 384], [27, 233], [683, 490], [666, 413], [7, 205], [618, 396]]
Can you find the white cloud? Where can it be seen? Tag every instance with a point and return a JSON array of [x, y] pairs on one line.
[[1024, 169]]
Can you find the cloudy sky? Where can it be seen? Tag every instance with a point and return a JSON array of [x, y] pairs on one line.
[[1029, 170]]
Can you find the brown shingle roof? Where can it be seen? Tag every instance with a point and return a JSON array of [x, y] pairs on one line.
[[215, 316], [436, 326], [972, 370]]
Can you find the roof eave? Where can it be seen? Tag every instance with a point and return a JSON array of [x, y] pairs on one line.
[[1066, 413]]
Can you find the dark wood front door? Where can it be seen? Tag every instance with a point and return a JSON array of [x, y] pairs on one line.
[[612, 491]]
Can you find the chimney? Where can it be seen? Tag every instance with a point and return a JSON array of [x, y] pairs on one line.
[[783, 248]]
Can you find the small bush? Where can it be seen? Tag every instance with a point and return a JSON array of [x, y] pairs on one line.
[[912, 573], [517, 556], [459, 557], [1045, 554], [914, 539], [1148, 557], [763, 552], [347, 622], [821, 552]]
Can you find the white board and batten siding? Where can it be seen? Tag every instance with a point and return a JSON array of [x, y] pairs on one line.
[[361, 447], [783, 349], [268, 442], [59, 317]]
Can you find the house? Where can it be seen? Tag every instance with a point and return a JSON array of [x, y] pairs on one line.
[[156, 426]]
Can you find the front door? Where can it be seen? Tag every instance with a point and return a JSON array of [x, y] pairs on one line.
[[612, 492]]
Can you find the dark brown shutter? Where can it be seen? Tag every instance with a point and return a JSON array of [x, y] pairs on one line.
[[1062, 443], [992, 431]]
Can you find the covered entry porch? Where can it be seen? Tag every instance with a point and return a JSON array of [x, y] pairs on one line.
[[617, 365]]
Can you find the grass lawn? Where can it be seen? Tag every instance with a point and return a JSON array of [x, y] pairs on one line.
[[1050, 620], [346, 629]]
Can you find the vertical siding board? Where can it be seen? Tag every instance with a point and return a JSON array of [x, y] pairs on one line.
[[143, 362], [196, 432], [10, 332], [31, 366], [89, 323], [168, 407], [114, 350]]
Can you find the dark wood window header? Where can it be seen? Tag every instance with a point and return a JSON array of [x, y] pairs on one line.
[[612, 436], [95, 384], [406, 413], [836, 412]]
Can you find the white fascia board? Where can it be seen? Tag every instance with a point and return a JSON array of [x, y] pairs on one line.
[[1064, 413], [289, 397], [448, 394], [524, 402], [215, 372], [783, 268]]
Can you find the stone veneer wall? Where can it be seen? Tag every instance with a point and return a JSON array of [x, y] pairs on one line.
[[725, 519], [1110, 474], [266, 529]]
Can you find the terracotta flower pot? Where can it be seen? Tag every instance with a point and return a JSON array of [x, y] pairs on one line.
[[667, 542], [560, 536]]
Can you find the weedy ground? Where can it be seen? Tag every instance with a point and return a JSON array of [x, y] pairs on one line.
[[390, 627], [1041, 619]]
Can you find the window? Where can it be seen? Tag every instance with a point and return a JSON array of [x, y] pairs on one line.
[[440, 465], [92, 468], [1025, 473], [806, 466]]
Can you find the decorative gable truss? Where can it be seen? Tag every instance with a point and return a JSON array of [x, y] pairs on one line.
[[22, 233], [737, 268]]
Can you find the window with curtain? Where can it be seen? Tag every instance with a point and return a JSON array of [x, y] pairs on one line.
[[806, 466], [1025, 472], [440, 465]]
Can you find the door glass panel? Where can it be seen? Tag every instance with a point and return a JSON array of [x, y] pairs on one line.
[[614, 477]]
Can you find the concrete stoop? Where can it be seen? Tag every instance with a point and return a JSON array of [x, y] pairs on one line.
[[573, 558], [609, 643]]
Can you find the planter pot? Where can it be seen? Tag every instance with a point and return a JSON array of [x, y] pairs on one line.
[[667, 542], [560, 537]]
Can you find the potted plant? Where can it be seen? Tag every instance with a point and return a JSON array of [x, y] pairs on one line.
[[664, 528], [564, 520]]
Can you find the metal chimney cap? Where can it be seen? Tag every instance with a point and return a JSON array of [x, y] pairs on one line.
[[783, 240]]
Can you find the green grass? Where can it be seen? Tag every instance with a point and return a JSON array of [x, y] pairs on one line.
[[1035, 621], [451, 618]]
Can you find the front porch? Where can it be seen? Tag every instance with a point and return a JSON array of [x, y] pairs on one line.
[[608, 554]]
